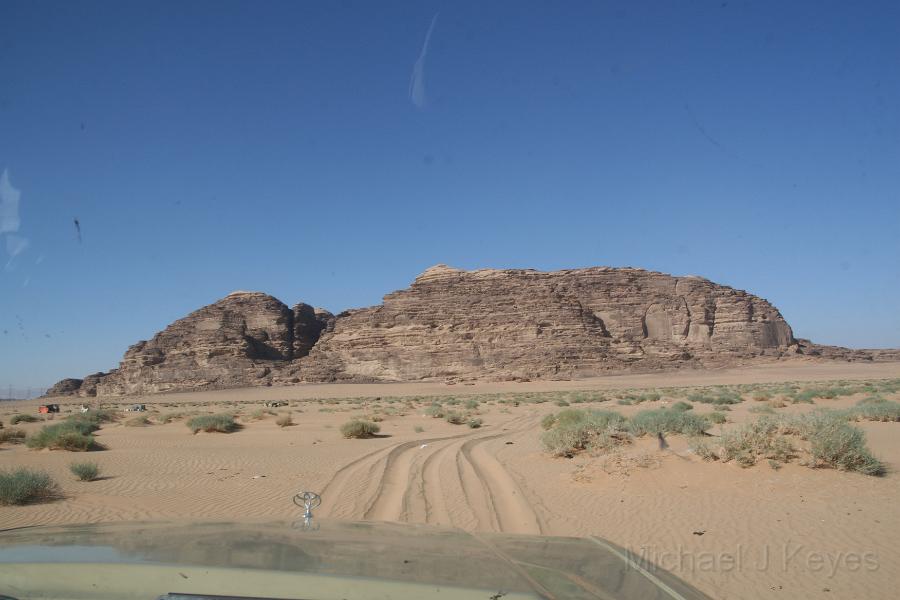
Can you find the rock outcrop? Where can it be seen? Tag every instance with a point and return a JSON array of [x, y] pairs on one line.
[[524, 324], [237, 341], [465, 325]]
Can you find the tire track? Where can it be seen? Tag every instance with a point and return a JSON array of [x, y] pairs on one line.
[[451, 480]]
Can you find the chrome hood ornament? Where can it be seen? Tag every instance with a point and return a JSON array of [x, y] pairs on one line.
[[308, 501]]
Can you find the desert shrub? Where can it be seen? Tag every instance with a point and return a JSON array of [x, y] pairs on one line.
[[762, 409], [471, 404], [16, 419], [12, 436], [649, 397], [875, 409], [71, 435], [85, 471], [548, 421], [455, 418], [222, 423], [418, 429], [22, 486], [759, 439], [435, 410], [837, 444], [562, 403], [577, 430], [762, 396], [358, 428], [475, 423], [716, 417], [702, 448], [138, 421], [682, 405], [258, 414], [284, 421], [663, 420]]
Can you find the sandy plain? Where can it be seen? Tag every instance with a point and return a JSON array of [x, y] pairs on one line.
[[732, 532]]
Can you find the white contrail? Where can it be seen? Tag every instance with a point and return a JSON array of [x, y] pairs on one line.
[[417, 80], [9, 205]]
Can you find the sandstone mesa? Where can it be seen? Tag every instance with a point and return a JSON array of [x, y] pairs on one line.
[[455, 325]]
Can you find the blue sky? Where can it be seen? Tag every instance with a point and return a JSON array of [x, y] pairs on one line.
[[282, 147]]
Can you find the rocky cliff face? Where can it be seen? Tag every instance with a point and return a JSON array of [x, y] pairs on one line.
[[523, 324], [237, 341], [463, 325]]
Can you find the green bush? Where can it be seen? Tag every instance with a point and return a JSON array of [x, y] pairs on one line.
[[73, 435], [575, 430], [455, 418], [222, 423], [548, 421], [435, 410], [358, 428], [475, 423], [758, 439], [682, 405], [837, 444], [16, 419], [716, 417], [23, 486], [85, 471], [12, 436], [876, 409], [471, 404], [662, 420]]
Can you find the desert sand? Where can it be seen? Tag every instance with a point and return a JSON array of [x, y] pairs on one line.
[[732, 532]]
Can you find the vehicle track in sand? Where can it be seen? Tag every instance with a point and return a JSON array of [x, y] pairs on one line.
[[450, 481]]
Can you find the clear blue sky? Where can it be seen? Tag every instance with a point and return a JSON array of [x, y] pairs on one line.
[[282, 147]]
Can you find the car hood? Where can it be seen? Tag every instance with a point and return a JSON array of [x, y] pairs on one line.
[[333, 559]]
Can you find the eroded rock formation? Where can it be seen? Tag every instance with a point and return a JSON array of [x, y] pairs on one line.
[[464, 325], [524, 324]]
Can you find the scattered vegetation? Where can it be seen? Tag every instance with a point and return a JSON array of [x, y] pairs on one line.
[[21, 418], [358, 428], [435, 410], [85, 471], [418, 429], [138, 421], [12, 436], [222, 423], [716, 417], [682, 405], [284, 421], [663, 420], [830, 442], [73, 434], [24, 486], [572, 431], [455, 418], [475, 423]]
